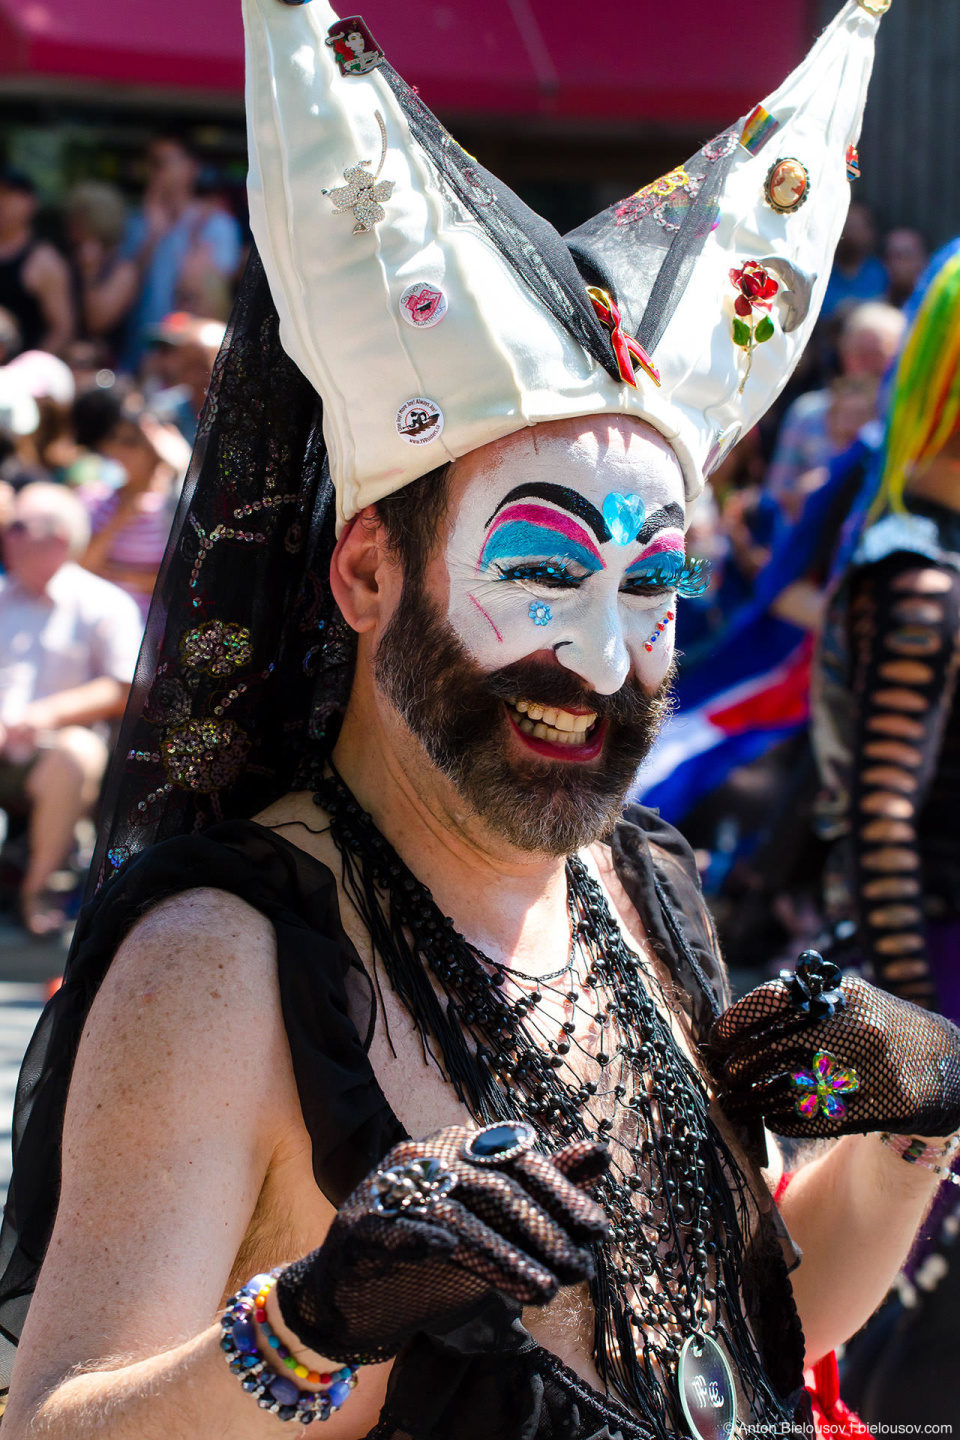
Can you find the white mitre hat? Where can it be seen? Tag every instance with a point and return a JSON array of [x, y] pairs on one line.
[[433, 312]]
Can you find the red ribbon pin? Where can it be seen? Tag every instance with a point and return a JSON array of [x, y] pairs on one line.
[[629, 352]]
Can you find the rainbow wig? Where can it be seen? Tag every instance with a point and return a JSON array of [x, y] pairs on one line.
[[924, 409]]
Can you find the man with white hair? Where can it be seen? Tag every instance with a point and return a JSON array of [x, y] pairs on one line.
[[868, 343], [68, 650]]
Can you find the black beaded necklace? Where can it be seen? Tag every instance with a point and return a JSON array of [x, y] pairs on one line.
[[673, 1266]]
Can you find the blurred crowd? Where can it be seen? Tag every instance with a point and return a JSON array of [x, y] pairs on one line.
[[107, 343], [772, 521]]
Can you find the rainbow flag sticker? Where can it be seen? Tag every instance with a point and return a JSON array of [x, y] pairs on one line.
[[757, 129]]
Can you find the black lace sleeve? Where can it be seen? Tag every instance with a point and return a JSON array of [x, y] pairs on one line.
[[904, 620]]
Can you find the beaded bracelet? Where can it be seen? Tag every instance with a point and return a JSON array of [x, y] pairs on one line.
[[918, 1152], [276, 1393]]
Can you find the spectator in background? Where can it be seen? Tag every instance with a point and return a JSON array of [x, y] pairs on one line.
[[816, 424], [19, 419], [857, 274], [9, 337], [905, 256], [130, 525], [191, 345], [93, 416], [68, 650], [34, 279], [50, 382], [90, 364], [104, 280], [183, 244]]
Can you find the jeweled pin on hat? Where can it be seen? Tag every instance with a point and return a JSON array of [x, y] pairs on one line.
[[686, 305]]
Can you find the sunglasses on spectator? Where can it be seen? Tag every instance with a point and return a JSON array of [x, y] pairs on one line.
[[37, 531]]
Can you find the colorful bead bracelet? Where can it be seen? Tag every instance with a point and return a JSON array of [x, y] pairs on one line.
[[279, 1394], [918, 1152]]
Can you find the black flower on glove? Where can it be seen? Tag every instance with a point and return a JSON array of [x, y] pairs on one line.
[[815, 985]]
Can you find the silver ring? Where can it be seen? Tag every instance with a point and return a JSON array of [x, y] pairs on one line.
[[409, 1187], [504, 1140]]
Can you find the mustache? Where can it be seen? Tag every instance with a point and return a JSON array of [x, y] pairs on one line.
[[557, 687]]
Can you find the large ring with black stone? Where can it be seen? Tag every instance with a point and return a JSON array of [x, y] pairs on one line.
[[496, 1143], [404, 1188]]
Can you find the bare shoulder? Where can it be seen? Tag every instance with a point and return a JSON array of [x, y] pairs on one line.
[[193, 979], [300, 820], [195, 936], [44, 263]]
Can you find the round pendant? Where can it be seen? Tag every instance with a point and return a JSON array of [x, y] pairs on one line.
[[419, 421], [708, 1395], [787, 185]]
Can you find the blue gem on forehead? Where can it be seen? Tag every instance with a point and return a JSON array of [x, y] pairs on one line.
[[624, 516]]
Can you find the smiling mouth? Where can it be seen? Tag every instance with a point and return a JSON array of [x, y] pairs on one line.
[[553, 725]]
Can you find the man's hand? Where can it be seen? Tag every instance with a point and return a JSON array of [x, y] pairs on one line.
[[432, 1231], [876, 1063], [23, 735]]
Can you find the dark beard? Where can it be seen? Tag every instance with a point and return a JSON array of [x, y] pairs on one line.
[[456, 713]]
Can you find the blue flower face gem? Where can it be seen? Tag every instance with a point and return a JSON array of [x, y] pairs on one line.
[[824, 1084], [624, 516], [539, 613]]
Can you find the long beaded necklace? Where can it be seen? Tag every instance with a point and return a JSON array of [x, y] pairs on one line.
[[672, 1268]]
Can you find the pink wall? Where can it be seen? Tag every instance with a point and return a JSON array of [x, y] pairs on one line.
[[690, 60]]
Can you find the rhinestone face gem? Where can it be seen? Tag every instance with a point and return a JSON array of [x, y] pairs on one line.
[[497, 1143], [624, 515]]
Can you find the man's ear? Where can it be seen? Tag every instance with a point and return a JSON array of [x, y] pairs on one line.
[[358, 569]]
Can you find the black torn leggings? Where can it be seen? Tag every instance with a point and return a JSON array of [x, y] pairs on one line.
[[904, 630]]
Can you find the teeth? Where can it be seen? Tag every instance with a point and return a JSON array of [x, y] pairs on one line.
[[539, 731], [543, 722]]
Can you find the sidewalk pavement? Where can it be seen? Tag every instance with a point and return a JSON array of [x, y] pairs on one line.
[[20, 1006]]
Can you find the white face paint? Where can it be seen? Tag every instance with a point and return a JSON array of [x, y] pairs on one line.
[[572, 543]]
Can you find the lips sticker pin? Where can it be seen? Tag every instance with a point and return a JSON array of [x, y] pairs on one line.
[[419, 421], [423, 305]]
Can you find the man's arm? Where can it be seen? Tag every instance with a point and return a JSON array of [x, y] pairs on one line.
[[179, 1107], [47, 277], [854, 1212], [86, 704]]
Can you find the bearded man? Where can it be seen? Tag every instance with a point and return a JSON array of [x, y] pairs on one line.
[[392, 1062]]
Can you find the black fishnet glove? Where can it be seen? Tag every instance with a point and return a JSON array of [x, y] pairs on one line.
[[905, 1061], [514, 1225]]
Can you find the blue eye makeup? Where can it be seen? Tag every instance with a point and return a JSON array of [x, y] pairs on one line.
[[555, 574], [670, 570], [549, 546]]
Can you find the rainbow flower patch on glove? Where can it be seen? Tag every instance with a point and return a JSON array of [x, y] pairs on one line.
[[824, 1084]]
